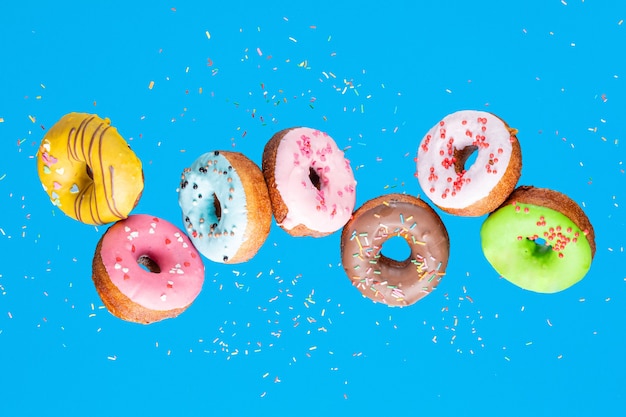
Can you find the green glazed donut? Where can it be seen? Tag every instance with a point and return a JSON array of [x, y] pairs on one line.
[[539, 240]]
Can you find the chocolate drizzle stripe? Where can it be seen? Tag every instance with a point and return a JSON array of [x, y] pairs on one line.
[[111, 171], [79, 201], [93, 205], [87, 157], [81, 156], [111, 202], [93, 200], [71, 141], [70, 152], [90, 201], [80, 131]]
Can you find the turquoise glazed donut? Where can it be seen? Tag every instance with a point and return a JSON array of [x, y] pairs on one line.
[[225, 206]]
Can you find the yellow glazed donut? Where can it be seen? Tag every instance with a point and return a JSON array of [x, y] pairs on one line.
[[88, 169]]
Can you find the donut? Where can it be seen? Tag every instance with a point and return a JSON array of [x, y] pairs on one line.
[[390, 281], [539, 240], [225, 206], [311, 185], [88, 169], [443, 155], [169, 283]]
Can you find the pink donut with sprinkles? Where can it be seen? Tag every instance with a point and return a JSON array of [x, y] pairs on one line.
[[442, 160], [310, 182], [169, 281]]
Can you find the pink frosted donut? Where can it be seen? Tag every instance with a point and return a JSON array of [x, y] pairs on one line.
[[311, 185], [486, 183], [170, 282]]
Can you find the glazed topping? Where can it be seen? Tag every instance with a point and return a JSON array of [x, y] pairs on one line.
[[443, 152], [158, 243], [536, 247], [213, 202], [315, 181], [88, 170], [556, 235], [395, 282]]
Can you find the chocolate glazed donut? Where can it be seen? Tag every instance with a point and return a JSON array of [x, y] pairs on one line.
[[385, 280]]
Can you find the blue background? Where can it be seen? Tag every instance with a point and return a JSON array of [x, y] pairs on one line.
[[285, 333]]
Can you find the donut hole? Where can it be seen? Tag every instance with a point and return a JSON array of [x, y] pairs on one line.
[[541, 246], [315, 178], [89, 171], [465, 158], [217, 207], [397, 250], [148, 264]]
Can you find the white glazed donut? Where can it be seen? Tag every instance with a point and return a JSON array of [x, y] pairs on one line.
[[310, 182], [482, 187]]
